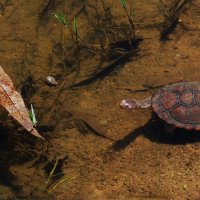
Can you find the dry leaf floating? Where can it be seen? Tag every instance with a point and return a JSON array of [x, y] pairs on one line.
[[12, 101]]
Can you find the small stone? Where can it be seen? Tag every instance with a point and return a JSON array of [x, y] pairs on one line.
[[50, 81], [185, 186], [103, 122]]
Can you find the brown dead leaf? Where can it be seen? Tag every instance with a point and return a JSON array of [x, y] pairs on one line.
[[12, 101]]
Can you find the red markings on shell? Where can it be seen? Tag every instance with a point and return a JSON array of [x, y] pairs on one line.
[[181, 113], [169, 100], [195, 113], [197, 97], [179, 104], [165, 116], [186, 97]]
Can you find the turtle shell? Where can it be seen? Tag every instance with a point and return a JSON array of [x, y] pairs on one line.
[[179, 104]]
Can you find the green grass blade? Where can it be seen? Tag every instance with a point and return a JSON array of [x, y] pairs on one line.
[[123, 3], [61, 18], [32, 116], [75, 26]]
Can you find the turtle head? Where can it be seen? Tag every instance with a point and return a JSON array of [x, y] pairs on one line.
[[129, 104], [132, 104]]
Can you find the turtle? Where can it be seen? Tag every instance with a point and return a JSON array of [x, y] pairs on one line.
[[177, 104]]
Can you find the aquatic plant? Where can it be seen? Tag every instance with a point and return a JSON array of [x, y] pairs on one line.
[[51, 178], [123, 3], [52, 171], [130, 18], [62, 19], [105, 38], [32, 116]]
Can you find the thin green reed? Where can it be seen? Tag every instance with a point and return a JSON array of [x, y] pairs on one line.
[[61, 18], [130, 19], [123, 3]]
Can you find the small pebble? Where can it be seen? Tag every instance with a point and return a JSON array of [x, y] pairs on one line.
[[50, 81], [185, 186], [104, 122]]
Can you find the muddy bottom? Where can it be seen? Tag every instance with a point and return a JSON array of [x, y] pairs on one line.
[[103, 53]]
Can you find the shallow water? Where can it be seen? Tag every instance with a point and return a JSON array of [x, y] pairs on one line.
[[98, 150]]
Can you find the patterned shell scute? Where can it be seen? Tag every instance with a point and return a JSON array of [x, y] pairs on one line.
[[179, 104]]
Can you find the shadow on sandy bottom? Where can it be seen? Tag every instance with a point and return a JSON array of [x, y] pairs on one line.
[[19, 154], [154, 130]]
